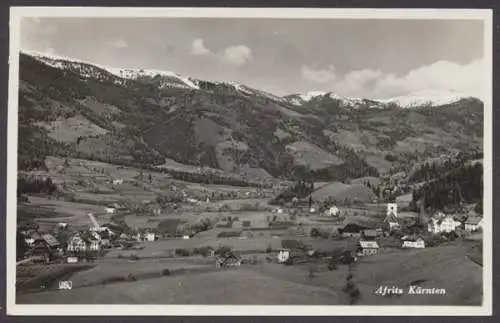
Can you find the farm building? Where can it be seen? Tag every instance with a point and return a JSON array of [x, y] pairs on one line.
[[110, 210], [473, 224], [367, 248], [442, 223], [351, 230], [225, 257], [45, 246], [413, 241], [370, 234]]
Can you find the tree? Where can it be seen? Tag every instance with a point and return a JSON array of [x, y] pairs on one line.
[[21, 245]]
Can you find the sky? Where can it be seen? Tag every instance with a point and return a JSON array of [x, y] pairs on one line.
[[374, 59]]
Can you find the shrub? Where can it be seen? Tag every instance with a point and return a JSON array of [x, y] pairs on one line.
[[249, 207], [269, 249], [119, 256], [183, 252], [354, 295], [224, 208], [134, 257], [114, 279], [290, 244], [166, 272]]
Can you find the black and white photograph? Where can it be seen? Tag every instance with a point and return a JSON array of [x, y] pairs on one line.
[[249, 161]]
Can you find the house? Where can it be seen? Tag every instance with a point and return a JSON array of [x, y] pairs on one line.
[[118, 181], [369, 234], [226, 258], [332, 211], [31, 237], [84, 242], [392, 221], [442, 223], [351, 230], [367, 248], [413, 241], [72, 260], [473, 224], [51, 241], [149, 236], [283, 255], [45, 246], [392, 208], [110, 210]]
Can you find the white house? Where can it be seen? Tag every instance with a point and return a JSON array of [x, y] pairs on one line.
[[413, 242], [118, 181], [367, 248], [110, 210], [442, 223], [332, 211], [283, 255], [392, 208], [150, 236], [392, 219], [78, 243], [473, 224], [72, 260], [191, 200]]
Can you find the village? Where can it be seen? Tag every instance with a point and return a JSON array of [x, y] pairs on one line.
[[312, 236], [64, 245]]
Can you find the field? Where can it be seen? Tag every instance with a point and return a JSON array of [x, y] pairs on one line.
[[156, 274], [195, 281]]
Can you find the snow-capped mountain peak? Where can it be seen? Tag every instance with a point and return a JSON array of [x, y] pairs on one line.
[[90, 69], [426, 98], [308, 96], [168, 79]]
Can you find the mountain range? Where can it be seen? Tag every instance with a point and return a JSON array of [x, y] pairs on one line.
[[160, 118]]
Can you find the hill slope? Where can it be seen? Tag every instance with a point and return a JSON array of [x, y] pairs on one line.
[[78, 109]]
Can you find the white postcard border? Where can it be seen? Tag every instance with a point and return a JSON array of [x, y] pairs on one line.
[[229, 310]]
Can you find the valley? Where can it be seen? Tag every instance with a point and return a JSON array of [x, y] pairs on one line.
[[164, 189]]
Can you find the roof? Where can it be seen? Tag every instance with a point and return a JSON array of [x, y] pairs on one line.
[[352, 228], [473, 220], [370, 233], [51, 241], [413, 237], [368, 244]]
